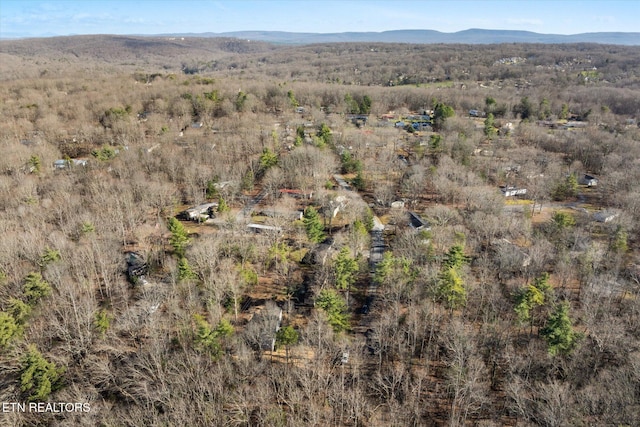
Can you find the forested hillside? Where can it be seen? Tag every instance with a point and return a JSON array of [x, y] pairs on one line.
[[224, 232]]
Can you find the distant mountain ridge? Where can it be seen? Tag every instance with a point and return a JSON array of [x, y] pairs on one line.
[[471, 36]]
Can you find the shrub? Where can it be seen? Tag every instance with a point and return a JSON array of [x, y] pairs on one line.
[[102, 321], [35, 288], [38, 377], [9, 329]]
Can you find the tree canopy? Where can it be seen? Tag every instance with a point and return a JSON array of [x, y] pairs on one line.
[[38, 376], [335, 307], [559, 333], [346, 269], [313, 225]]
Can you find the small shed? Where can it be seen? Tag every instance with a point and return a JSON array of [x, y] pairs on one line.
[[477, 113], [66, 163], [588, 180], [416, 222], [605, 216], [358, 119], [508, 191], [137, 267], [261, 228]]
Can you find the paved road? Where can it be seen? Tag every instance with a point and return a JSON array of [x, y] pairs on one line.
[[377, 248], [376, 253], [342, 183], [246, 211]]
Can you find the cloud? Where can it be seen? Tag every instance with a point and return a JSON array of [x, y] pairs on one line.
[[82, 16], [133, 20], [102, 21], [219, 5], [532, 22], [50, 7], [604, 19]]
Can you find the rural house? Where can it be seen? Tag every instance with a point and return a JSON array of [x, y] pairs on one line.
[[198, 213]]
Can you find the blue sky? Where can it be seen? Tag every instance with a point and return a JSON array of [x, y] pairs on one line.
[[32, 18]]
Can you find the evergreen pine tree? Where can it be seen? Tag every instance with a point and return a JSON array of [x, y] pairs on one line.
[[559, 332], [313, 225]]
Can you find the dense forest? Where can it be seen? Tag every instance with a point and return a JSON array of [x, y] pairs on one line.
[[227, 232]]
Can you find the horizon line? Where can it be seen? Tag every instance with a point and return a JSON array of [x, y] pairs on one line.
[[49, 35]]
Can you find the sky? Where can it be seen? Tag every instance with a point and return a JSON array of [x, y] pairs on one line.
[[38, 18]]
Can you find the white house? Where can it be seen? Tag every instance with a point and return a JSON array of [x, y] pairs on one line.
[[197, 212], [508, 191]]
